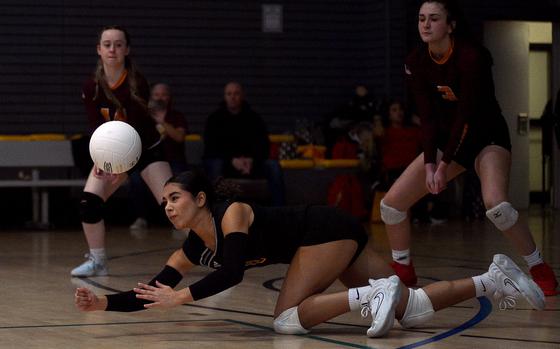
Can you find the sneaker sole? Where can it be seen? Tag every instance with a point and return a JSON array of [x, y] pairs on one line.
[[104, 272], [388, 307], [527, 287]]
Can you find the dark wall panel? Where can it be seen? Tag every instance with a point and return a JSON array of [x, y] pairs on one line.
[[327, 47], [197, 46]]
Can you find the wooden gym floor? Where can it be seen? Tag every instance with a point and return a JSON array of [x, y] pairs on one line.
[[37, 296]]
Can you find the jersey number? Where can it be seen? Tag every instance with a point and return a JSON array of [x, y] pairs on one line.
[[117, 116]]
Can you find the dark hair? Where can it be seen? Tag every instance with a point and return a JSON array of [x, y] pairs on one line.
[[196, 181], [454, 13], [407, 118], [132, 77]]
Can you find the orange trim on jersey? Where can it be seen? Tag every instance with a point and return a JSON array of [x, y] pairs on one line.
[[121, 80], [446, 56], [105, 113]]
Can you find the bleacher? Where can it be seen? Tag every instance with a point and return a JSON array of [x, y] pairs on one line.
[[41, 162]]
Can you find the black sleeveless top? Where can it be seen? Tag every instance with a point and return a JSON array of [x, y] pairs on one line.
[[277, 233]]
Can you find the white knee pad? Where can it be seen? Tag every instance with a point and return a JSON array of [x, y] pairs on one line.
[[288, 323], [418, 310], [390, 215], [503, 215]]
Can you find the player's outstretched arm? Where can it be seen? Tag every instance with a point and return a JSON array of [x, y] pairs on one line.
[[86, 300]]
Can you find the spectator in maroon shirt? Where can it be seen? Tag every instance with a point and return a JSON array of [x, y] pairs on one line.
[[451, 81], [117, 91]]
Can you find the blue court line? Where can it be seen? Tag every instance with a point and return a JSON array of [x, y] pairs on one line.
[[485, 310]]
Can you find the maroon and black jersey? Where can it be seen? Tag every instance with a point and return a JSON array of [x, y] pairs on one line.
[[455, 99], [100, 109]]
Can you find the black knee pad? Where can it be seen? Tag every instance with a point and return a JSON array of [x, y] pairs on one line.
[[91, 208]]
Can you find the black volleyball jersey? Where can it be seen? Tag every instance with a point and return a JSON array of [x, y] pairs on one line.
[[274, 237], [277, 233], [101, 109], [454, 99]]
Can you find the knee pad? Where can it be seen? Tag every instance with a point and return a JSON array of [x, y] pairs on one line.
[[390, 215], [91, 208], [418, 310], [288, 323], [503, 215]]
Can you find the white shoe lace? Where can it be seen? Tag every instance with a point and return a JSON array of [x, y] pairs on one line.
[[365, 310], [366, 307], [505, 302]]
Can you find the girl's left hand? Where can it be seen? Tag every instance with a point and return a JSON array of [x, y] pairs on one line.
[[440, 178], [161, 295]]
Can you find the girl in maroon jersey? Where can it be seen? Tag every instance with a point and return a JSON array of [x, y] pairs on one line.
[[462, 126], [117, 91]]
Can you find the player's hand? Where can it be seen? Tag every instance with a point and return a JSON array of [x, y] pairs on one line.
[[161, 295], [430, 169], [85, 300], [440, 178], [99, 173]]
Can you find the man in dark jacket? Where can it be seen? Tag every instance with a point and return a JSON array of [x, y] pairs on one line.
[[236, 143]]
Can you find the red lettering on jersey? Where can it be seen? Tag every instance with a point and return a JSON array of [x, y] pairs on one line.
[[120, 116], [255, 262], [105, 113], [447, 93]]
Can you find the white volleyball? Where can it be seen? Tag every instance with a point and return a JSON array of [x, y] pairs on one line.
[[115, 147]]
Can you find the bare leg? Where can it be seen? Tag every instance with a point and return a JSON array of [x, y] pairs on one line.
[[405, 192], [492, 166], [447, 293], [155, 175], [306, 279], [95, 233]]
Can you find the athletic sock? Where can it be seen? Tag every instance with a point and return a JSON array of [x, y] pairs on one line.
[[402, 257], [484, 285], [355, 295], [534, 258], [98, 254]]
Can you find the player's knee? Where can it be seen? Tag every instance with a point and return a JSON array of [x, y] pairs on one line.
[[288, 322], [390, 215], [418, 310], [91, 208], [503, 215]]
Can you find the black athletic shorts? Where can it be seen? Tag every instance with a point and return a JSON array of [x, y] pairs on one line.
[[496, 134], [148, 156], [325, 224]]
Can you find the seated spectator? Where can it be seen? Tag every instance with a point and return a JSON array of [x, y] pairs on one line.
[[399, 144], [172, 127], [361, 108], [236, 144]]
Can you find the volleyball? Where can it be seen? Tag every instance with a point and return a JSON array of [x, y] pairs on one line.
[[115, 147]]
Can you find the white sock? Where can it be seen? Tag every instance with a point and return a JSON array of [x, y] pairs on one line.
[[355, 295], [402, 257], [484, 285], [534, 258], [98, 254]]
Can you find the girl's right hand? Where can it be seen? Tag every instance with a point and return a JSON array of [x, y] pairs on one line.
[[85, 300], [99, 173], [430, 172]]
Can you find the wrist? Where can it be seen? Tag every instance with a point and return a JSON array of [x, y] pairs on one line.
[[101, 303]]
